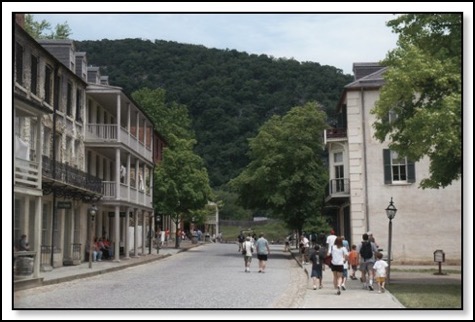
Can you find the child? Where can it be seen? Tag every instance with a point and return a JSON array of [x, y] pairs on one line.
[[317, 260], [354, 259], [380, 270]]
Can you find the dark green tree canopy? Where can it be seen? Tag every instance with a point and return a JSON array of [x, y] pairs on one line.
[[423, 87], [229, 94], [287, 174]]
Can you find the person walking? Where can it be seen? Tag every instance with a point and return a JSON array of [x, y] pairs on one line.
[[262, 247], [247, 250], [367, 249], [316, 257], [339, 256], [380, 269], [354, 261]]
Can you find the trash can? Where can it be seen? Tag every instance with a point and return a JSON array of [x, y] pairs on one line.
[[207, 238], [24, 266], [194, 240]]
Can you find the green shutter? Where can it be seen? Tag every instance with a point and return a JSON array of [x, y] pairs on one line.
[[387, 166], [411, 172]]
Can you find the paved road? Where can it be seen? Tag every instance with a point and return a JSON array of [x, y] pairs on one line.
[[204, 277]]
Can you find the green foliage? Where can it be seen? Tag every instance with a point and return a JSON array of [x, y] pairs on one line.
[[423, 87], [231, 209], [229, 94], [42, 29], [181, 183], [287, 175], [273, 231], [171, 120]]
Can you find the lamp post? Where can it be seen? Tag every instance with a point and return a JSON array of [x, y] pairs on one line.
[[92, 213], [391, 213]]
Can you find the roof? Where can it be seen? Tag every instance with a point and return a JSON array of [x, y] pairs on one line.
[[361, 70], [374, 79]]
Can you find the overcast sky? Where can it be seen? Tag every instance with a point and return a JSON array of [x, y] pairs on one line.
[[329, 39]]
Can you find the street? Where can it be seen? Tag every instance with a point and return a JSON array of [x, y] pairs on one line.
[[211, 276]]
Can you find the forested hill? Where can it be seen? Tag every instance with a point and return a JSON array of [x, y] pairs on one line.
[[229, 94]]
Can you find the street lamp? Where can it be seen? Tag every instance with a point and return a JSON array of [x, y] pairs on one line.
[[92, 213], [391, 213]]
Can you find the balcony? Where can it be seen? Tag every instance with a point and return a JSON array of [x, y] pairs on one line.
[[63, 173], [107, 133], [27, 174], [336, 134], [338, 191], [126, 194]]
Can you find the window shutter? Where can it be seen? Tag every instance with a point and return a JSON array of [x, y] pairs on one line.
[[387, 166], [411, 172]]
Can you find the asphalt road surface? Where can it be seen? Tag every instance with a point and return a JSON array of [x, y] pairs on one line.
[[210, 276]]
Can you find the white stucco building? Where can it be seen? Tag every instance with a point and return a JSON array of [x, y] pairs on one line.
[[365, 174]]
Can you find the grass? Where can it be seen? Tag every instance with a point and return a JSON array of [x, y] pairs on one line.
[[426, 270], [427, 296], [273, 231]]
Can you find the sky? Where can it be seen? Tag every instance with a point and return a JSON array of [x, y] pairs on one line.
[[329, 39]]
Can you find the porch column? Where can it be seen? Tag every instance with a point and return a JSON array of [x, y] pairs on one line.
[[136, 233], [37, 237], [144, 231], [127, 180], [126, 234], [117, 234], [137, 168], [117, 174], [118, 119]]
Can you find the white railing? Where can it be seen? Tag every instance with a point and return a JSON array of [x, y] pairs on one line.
[[27, 173], [103, 132], [140, 198]]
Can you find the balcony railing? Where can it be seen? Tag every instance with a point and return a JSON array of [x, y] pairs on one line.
[[110, 133], [70, 175], [27, 173], [109, 192], [336, 134], [339, 186]]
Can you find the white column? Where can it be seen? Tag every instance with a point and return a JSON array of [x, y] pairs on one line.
[[25, 223], [144, 231], [118, 119], [117, 234], [128, 118], [136, 233], [126, 234], [37, 237], [39, 149], [127, 180], [117, 173], [137, 168]]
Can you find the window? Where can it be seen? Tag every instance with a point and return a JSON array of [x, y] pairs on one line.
[[79, 105], [48, 84], [19, 63], [34, 75], [46, 140], [397, 169], [339, 182], [69, 100]]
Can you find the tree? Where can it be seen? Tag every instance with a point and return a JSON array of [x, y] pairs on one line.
[[423, 85], [286, 174], [170, 119], [39, 30], [181, 182]]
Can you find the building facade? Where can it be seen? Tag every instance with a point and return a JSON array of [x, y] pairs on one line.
[[365, 175], [80, 144]]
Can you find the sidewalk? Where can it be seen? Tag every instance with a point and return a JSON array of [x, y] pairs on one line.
[[355, 297], [68, 273]]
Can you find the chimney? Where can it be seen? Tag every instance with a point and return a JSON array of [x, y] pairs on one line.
[[20, 19]]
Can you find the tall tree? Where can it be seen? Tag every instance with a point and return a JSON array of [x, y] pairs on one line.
[[170, 119], [42, 29], [422, 89], [286, 174], [181, 183]]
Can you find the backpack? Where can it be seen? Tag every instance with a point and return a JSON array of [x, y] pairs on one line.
[[366, 250]]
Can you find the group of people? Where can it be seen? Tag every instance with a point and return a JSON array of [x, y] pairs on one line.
[[364, 257], [250, 246]]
